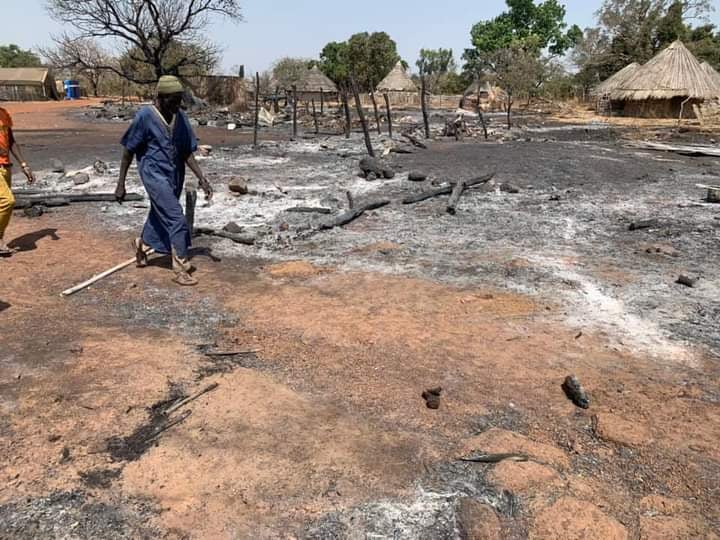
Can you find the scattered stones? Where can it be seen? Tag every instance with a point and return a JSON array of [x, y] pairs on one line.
[[415, 176], [239, 186], [687, 281], [615, 429], [57, 166], [432, 397], [477, 521], [100, 167], [233, 227], [372, 168], [575, 392], [34, 211], [572, 518], [80, 179], [662, 249]]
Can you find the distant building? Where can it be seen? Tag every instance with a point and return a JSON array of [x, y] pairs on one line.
[[27, 84], [315, 83], [672, 84], [399, 87]]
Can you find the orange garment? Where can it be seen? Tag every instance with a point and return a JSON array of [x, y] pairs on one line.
[[5, 127]]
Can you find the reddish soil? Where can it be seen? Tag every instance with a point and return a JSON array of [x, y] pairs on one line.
[[326, 415]]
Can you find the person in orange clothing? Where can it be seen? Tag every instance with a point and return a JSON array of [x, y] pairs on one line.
[[8, 145]]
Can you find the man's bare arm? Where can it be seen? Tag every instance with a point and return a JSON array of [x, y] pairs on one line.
[[197, 171], [17, 152], [125, 162]]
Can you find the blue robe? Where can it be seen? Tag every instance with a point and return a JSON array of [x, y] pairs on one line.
[[161, 151]]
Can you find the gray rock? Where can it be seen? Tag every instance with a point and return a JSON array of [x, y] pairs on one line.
[[100, 167], [81, 178], [34, 211], [509, 188], [415, 176], [57, 166], [238, 185], [233, 227]]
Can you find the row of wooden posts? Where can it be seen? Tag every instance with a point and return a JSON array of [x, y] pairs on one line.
[[361, 113]]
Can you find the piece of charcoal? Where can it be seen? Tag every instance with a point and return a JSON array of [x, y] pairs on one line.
[[575, 392], [432, 397]]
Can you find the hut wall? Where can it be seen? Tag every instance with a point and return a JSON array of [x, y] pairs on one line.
[[22, 92], [660, 108]]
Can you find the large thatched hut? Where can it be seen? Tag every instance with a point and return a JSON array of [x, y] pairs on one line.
[[667, 86], [616, 81], [314, 84], [399, 87], [489, 97]]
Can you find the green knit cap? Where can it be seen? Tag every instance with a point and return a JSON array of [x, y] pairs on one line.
[[169, 84]]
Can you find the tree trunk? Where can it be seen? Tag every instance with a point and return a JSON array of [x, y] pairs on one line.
[[361, 114], [375, 108], [257, 109], [294, 105], [424, 107], [509, 106], [315, 118], [348, 119], [480, 114], [389, 113]]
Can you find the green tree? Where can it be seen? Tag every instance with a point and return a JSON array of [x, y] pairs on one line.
[[534, 27], [334, 61], [672, 26], [367, 57], [13, 56], [288, 71], [437, 65]]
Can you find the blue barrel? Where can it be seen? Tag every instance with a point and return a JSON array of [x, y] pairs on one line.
[[72, 89]]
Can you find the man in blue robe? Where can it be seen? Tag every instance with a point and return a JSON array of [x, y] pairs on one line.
[[163, 141]]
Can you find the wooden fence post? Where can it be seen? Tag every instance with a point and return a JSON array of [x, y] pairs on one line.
[[424, 106], [389, 117], [361, 114], [257, 109]]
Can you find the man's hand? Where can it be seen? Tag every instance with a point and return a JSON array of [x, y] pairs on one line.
[[28, 173], [207, 188], [120, 192]]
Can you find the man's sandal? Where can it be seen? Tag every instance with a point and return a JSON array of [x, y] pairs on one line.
[[141, 256], [184, 279]]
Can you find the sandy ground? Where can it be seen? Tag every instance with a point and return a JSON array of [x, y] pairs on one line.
[[317, 428]]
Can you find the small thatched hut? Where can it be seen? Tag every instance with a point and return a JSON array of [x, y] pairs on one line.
[[399, 87], [492, 98], [27, 84], [315, 83], [667, 86]]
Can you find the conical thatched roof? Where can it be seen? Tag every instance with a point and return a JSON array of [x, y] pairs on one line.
[[674, 72], [397, 81], [714, 75], [477, 85], [314, 80], [617, 80]]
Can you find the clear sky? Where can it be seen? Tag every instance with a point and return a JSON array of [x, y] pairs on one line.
[[277, 28]]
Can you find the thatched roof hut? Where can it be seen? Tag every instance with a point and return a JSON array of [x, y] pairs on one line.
[[315, 80], [397, 81], [667, 86], [483, 87], [617, 80]]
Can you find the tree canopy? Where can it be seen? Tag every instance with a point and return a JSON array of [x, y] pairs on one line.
[[367, 57], [13, 56], [288, 71], [636, 30], [152, 31]]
